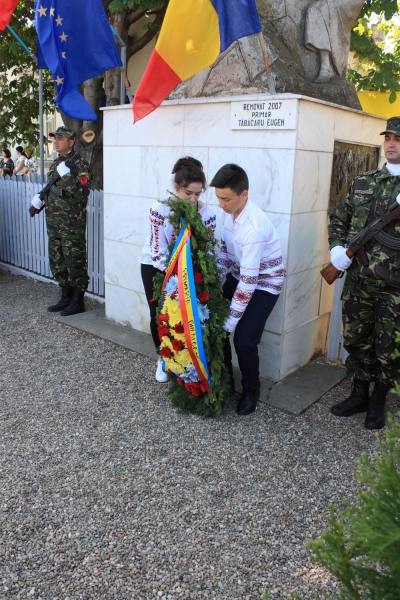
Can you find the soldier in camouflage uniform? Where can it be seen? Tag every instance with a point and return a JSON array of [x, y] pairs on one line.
[[371, 295], [66, 223]]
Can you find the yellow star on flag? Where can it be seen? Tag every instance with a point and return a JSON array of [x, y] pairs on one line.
[[59, 80], [63, 55], [42, 11], [63, 37], [59, 20], [52, 12]]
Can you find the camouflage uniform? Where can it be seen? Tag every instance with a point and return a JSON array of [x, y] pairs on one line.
[[66, 223], [371, 295]]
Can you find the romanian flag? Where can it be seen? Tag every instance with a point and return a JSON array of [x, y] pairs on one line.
[[193, 33], [7, 8]]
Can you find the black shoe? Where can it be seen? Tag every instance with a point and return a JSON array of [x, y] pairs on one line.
[[65, 300], [77, 304], [248, 402], [375, 417], [357, 401]]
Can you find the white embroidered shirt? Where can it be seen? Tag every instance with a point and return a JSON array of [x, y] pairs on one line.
[[251, 251], [155, 250]]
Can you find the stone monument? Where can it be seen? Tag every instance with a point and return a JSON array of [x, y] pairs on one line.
[[289, 143], [307, 43]]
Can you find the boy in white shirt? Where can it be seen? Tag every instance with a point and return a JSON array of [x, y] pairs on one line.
[[251, 254]]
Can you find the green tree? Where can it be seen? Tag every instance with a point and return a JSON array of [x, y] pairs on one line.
[[19, 83], [378, 67]]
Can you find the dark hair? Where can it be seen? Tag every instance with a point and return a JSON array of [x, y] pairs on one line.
[[231, 176], [188, 170], [20, 149], [7, 152]]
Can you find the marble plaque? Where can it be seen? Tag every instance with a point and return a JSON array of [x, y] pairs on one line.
[[264, 114]]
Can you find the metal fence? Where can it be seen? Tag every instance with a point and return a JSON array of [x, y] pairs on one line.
[[24, 241]]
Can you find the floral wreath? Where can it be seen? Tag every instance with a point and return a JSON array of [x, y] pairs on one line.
[[190, 326]]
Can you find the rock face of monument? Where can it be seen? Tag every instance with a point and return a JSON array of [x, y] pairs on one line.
[[307, 43]]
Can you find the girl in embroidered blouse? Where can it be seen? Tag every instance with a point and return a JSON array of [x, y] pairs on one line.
[[189, 183]]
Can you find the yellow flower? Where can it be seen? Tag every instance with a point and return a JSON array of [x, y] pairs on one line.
[[179, 336], [174, 366], [183, 357], [171, 307], [166, 342]]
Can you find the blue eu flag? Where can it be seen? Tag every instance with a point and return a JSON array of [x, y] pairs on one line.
[[75, 42]]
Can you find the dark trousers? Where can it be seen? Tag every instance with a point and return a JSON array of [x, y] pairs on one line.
[[148, 272], [248, 333], [68, 262], [371, 320]]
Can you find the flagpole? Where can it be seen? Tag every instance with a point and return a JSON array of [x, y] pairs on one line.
[[125, 84], [25, 47], [270, 78], [41, 132]]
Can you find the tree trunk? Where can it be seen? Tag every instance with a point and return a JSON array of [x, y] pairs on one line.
[[89, 145]]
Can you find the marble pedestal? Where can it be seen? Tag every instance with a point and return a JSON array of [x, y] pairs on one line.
[[289, 172]]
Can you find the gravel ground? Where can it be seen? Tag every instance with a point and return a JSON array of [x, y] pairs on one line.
[[108, 492]]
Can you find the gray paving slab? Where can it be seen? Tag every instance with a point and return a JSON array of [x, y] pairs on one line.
[[299, 390], [293, 395], [95, 322]]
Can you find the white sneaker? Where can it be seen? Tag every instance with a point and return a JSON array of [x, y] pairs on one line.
[[161, 375]]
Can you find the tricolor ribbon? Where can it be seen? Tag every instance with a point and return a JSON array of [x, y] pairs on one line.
[[182, 254], [183, 236]]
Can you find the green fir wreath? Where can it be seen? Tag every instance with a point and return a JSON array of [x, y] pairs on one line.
[[185, 396]]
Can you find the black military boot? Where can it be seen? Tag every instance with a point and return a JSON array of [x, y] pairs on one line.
[[357, 401], [248, 402], [77, 304], [65, 300], [375, 417]]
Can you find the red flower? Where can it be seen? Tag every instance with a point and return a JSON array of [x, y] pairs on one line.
[[203, 296], [192, 389], [162, 330], [177, 345], [166, 352], [179, 328], [163, 319], [198, 278], [84, 180], [180, 381]]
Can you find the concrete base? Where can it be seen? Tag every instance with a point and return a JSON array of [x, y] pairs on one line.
[[293, 395]]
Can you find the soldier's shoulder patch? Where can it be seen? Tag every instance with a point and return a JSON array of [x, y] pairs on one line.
[[361, 183], [83, 177]]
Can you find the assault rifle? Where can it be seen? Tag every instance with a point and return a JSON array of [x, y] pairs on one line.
[[45, 191], [356, 244]]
